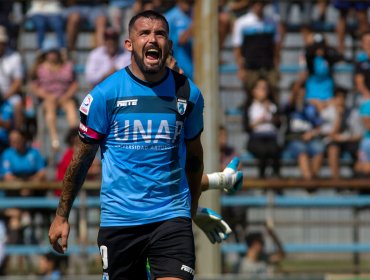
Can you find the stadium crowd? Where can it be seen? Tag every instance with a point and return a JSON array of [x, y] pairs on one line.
[[320, 120]]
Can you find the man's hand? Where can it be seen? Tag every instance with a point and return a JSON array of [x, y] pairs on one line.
[[212, 225], [59, 229], [230, 180]]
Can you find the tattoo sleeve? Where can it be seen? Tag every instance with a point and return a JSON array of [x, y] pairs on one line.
[[75, 176]]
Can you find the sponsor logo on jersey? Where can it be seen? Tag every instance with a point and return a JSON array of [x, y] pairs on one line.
[[137, 130], [83, 128], [188, 269], [125, 103], [181, 105], [86, 103]]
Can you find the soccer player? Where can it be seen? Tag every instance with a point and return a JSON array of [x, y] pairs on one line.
[[147, 121]]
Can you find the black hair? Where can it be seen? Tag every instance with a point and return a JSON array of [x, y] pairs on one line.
[[340, 90], [254, 237], [148, 14]]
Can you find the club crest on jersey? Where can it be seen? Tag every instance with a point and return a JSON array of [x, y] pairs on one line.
[[86, 103], [181, 105]]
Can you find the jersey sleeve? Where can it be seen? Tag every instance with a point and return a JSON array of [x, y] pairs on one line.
[[93, 117], [194, 122]]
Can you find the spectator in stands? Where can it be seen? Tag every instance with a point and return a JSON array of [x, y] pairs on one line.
[[363, 164], [344, 130], [21, 161], [94, 171], [224, 22], [257, 263], [181, 25], [362, 72], [256, 41], [344, 7], [303, 134], [6, 123], [107, 59], [10, 21], [3, 240], [49, 267], [93, 11], [238, 7], [11, 77], [54, 83], [261, 121], [318, 76], [120, 12], [47, 14]]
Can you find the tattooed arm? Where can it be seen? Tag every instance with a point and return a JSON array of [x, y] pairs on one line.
[[73, 180], [194, 170]]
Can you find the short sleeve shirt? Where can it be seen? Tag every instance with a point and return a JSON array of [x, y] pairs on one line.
[[142, 129]]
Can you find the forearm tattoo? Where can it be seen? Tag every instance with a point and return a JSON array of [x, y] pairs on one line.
[[75, 176]]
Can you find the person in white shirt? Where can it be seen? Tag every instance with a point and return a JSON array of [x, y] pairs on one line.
[[11, 76], [107, 59]]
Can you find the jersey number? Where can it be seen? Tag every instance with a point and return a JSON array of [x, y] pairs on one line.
[[104, 256]]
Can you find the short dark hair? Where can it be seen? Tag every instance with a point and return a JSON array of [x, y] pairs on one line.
[[252, 237], [148, 14]]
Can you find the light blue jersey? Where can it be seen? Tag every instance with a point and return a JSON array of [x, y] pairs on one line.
[[142, 128]]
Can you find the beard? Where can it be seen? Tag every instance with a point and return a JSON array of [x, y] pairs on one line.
[[152, 69]]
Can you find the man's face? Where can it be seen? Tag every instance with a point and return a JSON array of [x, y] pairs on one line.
[[149, 45]]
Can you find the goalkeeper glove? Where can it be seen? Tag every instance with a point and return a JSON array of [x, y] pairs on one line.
[[230, 179], [212, 225]]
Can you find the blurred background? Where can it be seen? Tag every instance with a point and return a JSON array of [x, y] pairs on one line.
[[294, 106]]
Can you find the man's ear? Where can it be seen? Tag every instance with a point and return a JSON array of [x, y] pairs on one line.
[[128, 45]]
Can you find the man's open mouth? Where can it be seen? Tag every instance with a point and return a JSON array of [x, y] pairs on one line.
[[152, 54]]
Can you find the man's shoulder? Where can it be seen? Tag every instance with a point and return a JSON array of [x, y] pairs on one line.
[[194, 91]]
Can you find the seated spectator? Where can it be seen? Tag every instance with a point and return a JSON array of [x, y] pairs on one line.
[[362, 72], [346, 132], [44, 15], [255, 40], [363, 164], [11, 77], [6, 123], [10, 20], [3, 240], [181, 26], [257, 263], [94, 12], [120, 12], [21, 161], [261, 121], [54, 83], [318, 77], [107, 59], [303, 135], [344, 7], [93, 173], [49, 267]]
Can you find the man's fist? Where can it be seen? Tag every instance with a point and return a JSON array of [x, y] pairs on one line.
[[230, 180], [212, 225]]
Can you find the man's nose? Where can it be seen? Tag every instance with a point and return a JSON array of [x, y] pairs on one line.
[[152, 37]]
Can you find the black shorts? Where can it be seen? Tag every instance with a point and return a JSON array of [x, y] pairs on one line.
[[167, 245]]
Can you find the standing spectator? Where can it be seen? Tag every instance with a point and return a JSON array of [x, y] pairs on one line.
[[55, 84], [120, 12], [318, 76], [344, 7], [257, 263], [107, 59], [47, 14], [10, 21], [93, 11], [362, 72], [256, 42], [181, 25], [11, 77], [303, 136], [346, 132], [261, 122], [22, 162]]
